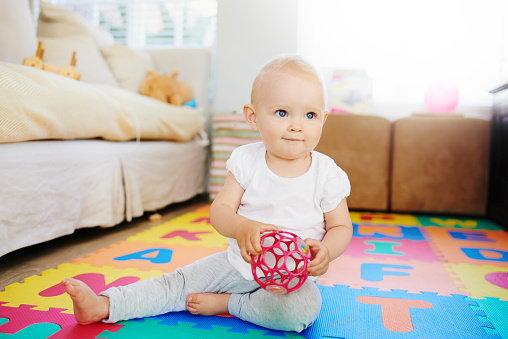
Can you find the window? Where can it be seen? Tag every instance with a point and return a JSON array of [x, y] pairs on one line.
[[151, 23], [406, 45]]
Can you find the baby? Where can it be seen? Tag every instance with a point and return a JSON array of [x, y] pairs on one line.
[[280, 183]]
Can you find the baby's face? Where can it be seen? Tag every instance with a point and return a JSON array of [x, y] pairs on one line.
[[290, 114]]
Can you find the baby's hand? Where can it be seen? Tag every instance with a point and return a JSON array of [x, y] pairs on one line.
[[248, 237], [321, 257]]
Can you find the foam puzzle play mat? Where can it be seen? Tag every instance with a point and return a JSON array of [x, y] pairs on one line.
[[403, 276]]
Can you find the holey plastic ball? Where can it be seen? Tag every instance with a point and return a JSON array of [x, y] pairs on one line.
[[282, 266]]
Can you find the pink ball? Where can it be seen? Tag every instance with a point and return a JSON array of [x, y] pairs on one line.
[[282, 263], [442, 97]]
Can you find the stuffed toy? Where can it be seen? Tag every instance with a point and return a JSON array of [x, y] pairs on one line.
[[36, 61], [166, 88]]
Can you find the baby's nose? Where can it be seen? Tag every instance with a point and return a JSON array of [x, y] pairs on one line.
[[296, 125]]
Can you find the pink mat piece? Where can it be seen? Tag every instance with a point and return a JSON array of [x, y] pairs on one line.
[[24, 316], [387, 274], [391, 249]]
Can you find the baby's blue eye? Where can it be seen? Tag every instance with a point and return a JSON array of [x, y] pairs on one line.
[[281, 113], [311, 115]]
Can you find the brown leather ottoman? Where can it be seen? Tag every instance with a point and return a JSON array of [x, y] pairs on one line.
[[360, 145], [440, 164]]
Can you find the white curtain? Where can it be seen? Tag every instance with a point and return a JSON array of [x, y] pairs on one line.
[[407, 45]]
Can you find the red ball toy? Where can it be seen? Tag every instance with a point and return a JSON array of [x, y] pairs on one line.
[[282, 265]]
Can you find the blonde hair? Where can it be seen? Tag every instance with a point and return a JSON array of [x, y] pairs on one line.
[[280, 65]]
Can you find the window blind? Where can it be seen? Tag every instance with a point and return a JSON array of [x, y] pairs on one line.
[[151, 23]]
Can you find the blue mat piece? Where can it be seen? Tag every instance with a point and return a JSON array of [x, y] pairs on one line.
[[343, 316], [207, 323], [407, 233], [496, 312], [153, 329]]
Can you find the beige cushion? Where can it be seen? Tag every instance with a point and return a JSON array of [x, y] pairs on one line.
[[58, 22], [90, 63], [17, 31], [63, 32], [128, 66], [440, 164], [360, 145], [35, 104]]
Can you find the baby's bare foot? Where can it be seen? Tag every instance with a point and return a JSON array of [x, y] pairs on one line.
[[89, 308], [208, 303]]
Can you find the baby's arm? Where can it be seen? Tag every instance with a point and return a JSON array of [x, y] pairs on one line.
[[227, 222], [339, 231]]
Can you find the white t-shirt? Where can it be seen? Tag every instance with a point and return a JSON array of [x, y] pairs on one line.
[[293, 204]]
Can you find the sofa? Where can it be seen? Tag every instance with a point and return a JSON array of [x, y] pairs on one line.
[[423, 163], [91, 152]]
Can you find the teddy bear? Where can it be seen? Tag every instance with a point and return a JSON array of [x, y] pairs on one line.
[[166, 88]]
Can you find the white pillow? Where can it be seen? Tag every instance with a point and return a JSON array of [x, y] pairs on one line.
[[128, 66], [58, 22], [17, 31], [90, 63]]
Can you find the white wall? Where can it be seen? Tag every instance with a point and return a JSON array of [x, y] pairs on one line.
[[248, 34]]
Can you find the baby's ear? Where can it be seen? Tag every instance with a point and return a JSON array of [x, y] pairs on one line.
[[325, 115], [250, 116]]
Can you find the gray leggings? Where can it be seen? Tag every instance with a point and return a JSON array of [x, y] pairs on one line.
[[294, 311]]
